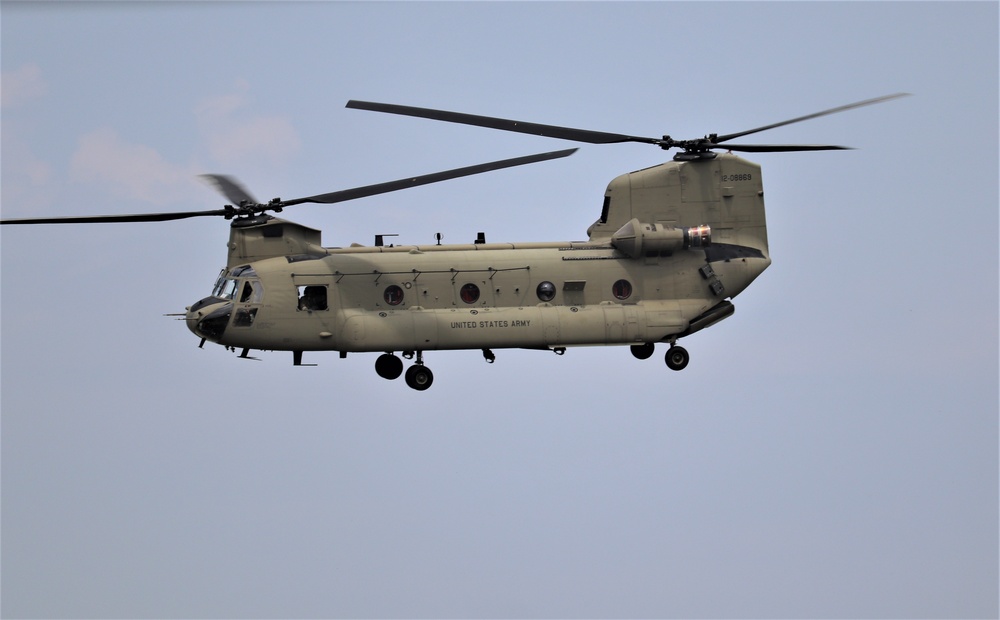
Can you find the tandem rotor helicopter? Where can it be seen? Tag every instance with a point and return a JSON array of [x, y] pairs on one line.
[[673, 245]]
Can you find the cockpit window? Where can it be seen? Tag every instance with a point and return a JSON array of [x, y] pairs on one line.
[[218, 282], [252, 292], [225, 288], [243, 271], [227, 285]]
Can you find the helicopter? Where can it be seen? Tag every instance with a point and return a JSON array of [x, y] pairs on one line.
[[673, 245]]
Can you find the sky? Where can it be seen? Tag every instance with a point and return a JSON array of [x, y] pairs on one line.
[[830, 451]]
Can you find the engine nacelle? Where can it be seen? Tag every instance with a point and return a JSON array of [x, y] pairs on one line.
[[639, 238]]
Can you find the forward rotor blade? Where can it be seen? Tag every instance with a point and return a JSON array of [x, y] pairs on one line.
[[392, 186], [537, 129], [230, 188], [110, 219], [235, 192], [842, 108]]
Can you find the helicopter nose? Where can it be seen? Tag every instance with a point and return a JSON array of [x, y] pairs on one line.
[[209, 317]]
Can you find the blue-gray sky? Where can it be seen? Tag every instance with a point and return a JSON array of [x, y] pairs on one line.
[[831, 450]]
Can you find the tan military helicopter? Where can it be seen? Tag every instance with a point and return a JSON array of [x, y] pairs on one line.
[[673, 245]]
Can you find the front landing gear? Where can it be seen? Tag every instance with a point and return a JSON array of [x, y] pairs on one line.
[[643, 351], [388, 366], [677, 358], [418, 376]]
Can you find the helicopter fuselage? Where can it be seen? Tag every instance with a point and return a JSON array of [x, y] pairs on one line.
[[651, 272], [406, 298]]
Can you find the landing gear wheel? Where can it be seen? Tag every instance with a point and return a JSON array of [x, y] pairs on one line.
[[419, 377], [677, 358], [388, 366], [643, 351]]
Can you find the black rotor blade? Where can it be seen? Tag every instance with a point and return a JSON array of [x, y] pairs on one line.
[[230, 188], [392, 186], [779, 148], [842, 108], [235, 192], [108, 219], [537, 129]]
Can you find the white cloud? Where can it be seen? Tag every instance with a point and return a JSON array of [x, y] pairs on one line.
[[133, 171], [21, 85], [28, 181], [236, 138], [231, 140]]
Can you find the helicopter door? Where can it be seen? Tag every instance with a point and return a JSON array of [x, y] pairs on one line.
[[314, 295], [315, 298]]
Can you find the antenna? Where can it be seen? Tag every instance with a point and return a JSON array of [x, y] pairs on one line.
[[380, 239]]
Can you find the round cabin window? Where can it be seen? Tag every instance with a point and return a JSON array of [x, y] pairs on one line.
[[622, 289], [393, 295], [546, 291], [470, 293]]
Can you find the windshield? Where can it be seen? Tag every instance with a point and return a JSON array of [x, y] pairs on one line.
[[225, 289], [226, 285]]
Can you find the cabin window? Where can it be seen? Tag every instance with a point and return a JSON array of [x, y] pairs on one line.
[[470, 293], [622, 289], [393, 295], [312, 297], [546, 291]]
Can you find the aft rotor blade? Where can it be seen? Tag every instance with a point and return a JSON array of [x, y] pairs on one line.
[[842, 108], [392, 186], [537, 129], [110, 219], [779, 148]]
